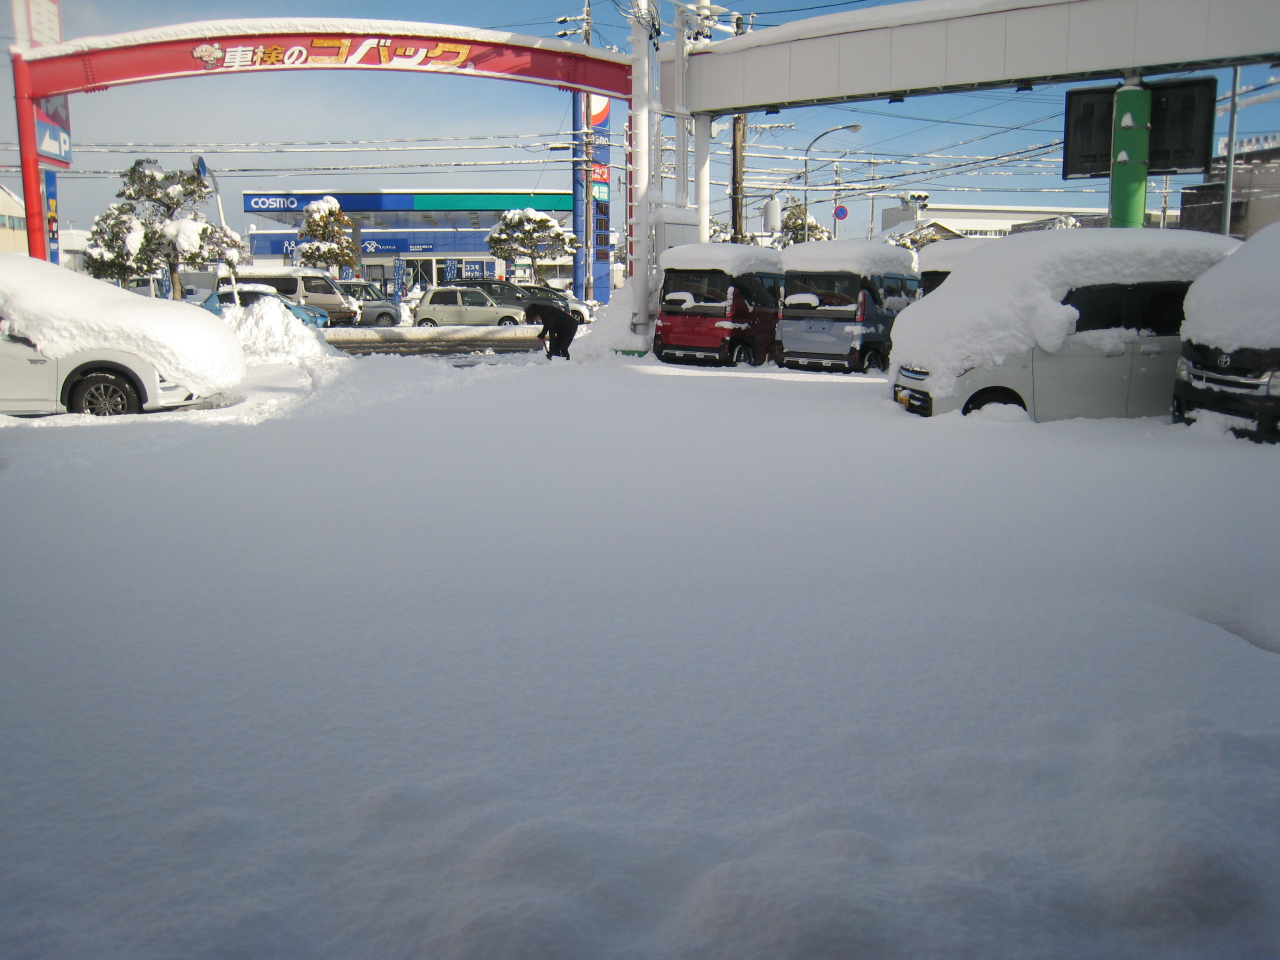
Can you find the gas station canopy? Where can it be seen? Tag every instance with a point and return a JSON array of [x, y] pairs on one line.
[[409, 209]]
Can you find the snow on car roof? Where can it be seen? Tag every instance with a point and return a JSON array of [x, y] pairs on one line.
[[282, 272], [856, 256], [733, 258], [1237, 303], [209, 29], [63, 313], [1005, 298], [944, 254]]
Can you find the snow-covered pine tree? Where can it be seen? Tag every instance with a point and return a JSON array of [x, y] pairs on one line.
[[793, 227], [323, 240], [532, 234], [158, 226]]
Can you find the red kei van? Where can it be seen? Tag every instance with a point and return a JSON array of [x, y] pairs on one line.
[[720, 304]]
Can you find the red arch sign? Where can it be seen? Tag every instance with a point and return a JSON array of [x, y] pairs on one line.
[[244, 46]]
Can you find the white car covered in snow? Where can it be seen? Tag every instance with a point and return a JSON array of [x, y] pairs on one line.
[[71, 343], [1063, 323]]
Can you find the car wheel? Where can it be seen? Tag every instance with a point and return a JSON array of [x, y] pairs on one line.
[[872, 360], [577, 315], [507, 322], [104, 395], [426, 322], [385, 320], [992, 395], [742, 353]]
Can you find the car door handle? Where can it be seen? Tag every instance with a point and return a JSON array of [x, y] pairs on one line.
[[1152, 350], [1114, 353]]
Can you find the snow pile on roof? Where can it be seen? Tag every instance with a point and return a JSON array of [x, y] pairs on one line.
[[1005, 298], [732, 258], [269, 333], [867, 257], [1237, 303], [278, 272], [62, 312], [943, 255]]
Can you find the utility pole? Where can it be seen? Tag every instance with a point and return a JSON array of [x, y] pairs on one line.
[[583, 198], [737, 173], [1229, 182]]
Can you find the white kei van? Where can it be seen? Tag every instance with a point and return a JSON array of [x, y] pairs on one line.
[[1063, 323]]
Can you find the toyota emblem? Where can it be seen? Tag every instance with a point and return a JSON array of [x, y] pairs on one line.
[[1224, 359]]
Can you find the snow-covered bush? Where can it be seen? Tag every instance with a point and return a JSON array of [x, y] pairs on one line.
[[323, 240], [531, 234], [62, 312]]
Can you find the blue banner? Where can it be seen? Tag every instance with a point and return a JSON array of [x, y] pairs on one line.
[[50, 185], [397, 290]]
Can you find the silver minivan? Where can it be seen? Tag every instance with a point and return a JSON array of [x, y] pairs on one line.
[[1063, 323], [464, 306], [309, 285]]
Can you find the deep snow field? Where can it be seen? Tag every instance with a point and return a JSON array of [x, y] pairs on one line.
[[400, 659]]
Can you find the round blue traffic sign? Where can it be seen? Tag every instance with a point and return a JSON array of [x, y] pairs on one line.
[[841, 212]]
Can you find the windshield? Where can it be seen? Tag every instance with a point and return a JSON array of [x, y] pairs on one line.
[[831, 289], [695, 291]]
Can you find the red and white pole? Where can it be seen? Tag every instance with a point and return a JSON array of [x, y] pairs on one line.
[[30, 161]]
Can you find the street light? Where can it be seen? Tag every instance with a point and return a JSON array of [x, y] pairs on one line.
[[852, 128]]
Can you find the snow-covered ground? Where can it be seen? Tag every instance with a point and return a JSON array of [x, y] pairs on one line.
[[398, 658]]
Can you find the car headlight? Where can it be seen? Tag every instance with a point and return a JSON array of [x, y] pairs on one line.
[[1183, 369], [1273, 384]]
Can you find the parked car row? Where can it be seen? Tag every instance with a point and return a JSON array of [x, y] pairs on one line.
[[825, 304], [1063, 323]]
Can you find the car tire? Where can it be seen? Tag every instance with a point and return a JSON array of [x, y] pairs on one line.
[[577, 315], [742, 353], [872, 360], [780, 356], [992, 395], [507, 322], [104, 394], [384, 320], [426, 322]]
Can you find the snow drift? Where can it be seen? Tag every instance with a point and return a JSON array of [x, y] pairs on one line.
[[63, 312], [866, 257], [732, 258], [1237, 303], [269, 333], [943, 255], [1005, 298]]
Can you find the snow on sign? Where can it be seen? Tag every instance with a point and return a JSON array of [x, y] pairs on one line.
[[228, 46]]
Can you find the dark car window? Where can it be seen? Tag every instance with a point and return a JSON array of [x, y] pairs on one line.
[[831, 289], [758, 292], [707, 287], [285, 285], [318, 285], [1101, 307], [930, 280], [474, 298], [1156, 307], [447, 298], [892, 286]]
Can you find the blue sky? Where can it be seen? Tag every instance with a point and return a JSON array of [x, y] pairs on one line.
[[262, 110]]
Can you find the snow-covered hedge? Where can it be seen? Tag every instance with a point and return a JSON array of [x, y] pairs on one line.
[[733, 258], [1237, 303], [866, 257], [63, 312], [1005, 298]]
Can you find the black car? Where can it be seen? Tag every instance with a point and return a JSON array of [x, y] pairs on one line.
[[1243, 383]]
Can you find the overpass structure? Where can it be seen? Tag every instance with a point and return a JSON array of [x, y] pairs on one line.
[[939, 46]]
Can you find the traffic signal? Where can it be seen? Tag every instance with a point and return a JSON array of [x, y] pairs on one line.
[[1086, 151], [1182, 125]]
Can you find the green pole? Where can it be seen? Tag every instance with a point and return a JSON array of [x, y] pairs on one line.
[[1130, 142]]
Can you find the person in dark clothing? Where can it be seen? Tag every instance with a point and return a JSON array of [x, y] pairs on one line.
[[558, 327]]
